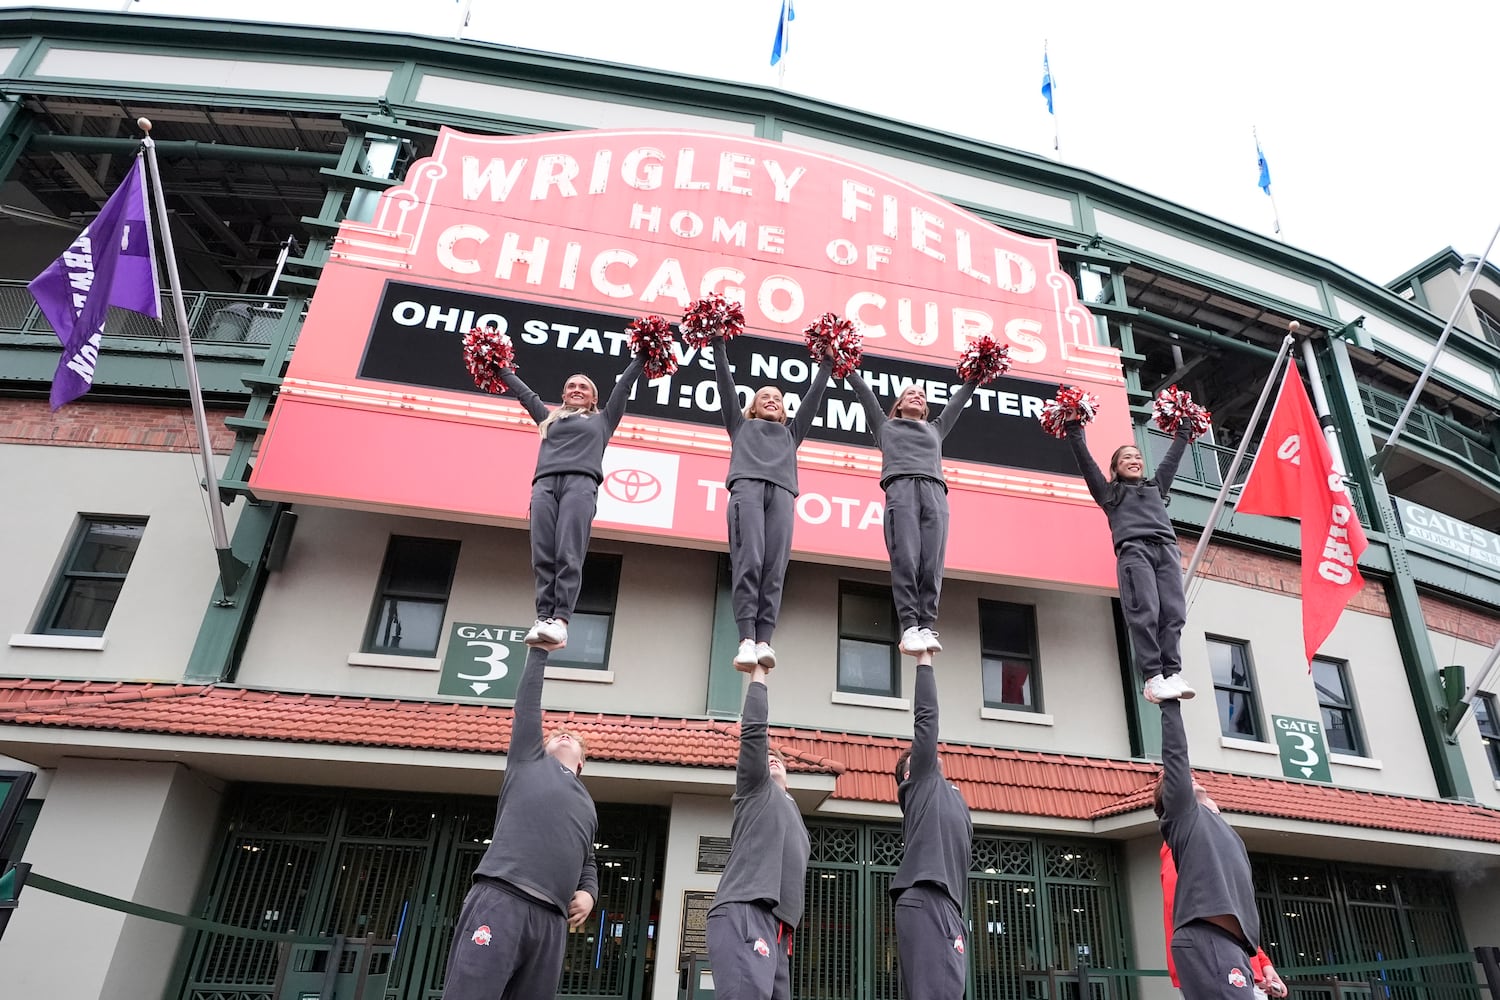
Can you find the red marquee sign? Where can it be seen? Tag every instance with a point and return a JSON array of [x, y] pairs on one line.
[[562, 239]]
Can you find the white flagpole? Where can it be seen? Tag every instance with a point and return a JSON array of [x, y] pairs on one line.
[[230, 568], [1201, 548], [1384, 455]]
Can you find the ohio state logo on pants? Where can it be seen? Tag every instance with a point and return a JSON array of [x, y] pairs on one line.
[[1236, 979], [482, 935], [761, 948], [958, 944]]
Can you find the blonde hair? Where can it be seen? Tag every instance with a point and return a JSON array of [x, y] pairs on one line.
[[582, 743], [563, 412], [750, 413]]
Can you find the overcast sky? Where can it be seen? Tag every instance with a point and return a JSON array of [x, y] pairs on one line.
[[1373, 117]]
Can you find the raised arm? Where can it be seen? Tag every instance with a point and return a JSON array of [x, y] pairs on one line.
[[526, 719], [924, 738], [614, 407], [752, 771], [525, 396], [729, 400], [944, 421], [1178, 798], [875, 417], [812, 402], [1098, 488], [1166, 469]]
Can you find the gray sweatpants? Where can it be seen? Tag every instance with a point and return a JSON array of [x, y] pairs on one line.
[[505, 947], [760, 518], [750, 953], [1212, 964], [916, 536], [562, 515], [930, 944], [1150, 575]]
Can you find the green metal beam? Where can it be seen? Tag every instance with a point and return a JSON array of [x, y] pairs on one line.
[[184, 149], [1177, 326], [725, 687], [215, 655]]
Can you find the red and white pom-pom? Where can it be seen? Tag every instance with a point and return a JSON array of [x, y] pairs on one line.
[[714, 316], [487, 353], [1071, 405], [651, 338], [1173, 405], [984, 360], [831, 332]]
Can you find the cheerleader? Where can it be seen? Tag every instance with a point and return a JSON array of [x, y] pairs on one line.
[[762, 485], [916, 503], [1149, 563], [565, 490]]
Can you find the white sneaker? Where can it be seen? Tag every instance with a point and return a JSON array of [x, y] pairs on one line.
[[913, 641], [744, 657], [765, 655], [1182, 687], [1159, 689], [534, 637], [554, 633], [930, 636]]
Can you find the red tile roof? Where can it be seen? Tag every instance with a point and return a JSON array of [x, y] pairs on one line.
[[1019, 782]]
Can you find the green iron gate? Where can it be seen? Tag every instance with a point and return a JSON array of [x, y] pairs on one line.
[[396, 867], [1032, 904]]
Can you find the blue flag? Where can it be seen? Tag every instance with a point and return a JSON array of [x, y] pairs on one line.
[[109, 264], [783, 43], [1047, 81], [1265, 169]]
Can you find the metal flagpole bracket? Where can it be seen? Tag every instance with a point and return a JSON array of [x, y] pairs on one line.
[[231, 569]]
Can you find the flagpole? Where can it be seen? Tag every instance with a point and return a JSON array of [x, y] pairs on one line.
[[1201, 548], [230, 568], [1275, 215], [1377, 464], [1320, 405]]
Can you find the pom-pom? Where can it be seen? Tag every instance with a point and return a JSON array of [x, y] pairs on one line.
[[651, 338], [832, 333], [1173, 406], [487, 353], [1071, 405], [984, 360], [714, 316]]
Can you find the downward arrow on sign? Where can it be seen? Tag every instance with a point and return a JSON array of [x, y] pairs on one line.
[[1306, 771], [480, 687]]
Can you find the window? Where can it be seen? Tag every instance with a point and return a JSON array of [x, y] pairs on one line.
[[1336, 699], [1234, 688], [1489, 729], [868, 660], [412, 599], [593, 618], [1007, 655], [92, 576], [1489, 326]]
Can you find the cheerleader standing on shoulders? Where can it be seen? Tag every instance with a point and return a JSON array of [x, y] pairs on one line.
[[916, 503], [565, 490], [762, 485], [1149, 563]]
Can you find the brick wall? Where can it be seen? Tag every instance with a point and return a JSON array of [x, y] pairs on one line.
[[128, 426], [1273, 573], [1460, 620]]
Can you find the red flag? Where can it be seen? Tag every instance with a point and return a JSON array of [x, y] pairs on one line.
[[1293, 476]]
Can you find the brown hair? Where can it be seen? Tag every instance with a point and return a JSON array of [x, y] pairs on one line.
[[897, 404], [750, 413], [1114, 461], [778, 755], [902, 762], [1156, 796]]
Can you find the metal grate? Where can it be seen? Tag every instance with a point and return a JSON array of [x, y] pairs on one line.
[[1004, 935], [825, 956]]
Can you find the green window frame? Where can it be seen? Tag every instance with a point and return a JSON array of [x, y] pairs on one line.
[[1341, 728], [1009, 671], [83, 596], [591, 629], [411, 599], [1234, 688], [1487, 718], [868, 659]]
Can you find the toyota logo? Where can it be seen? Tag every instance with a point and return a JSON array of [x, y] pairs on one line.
[[632, 486]]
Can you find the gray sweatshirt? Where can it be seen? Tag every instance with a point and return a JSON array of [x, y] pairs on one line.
[[764, 449], [545, 823], [575, 445], [768, 841], [1136, 511], [935, 819], [1213, 870], [910, 447]]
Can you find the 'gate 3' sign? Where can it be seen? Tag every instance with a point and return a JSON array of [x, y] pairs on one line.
[[562, 239]]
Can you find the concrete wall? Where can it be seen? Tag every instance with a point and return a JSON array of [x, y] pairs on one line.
[[693, 816], [1141, 881], [156, 620], [137, 831]]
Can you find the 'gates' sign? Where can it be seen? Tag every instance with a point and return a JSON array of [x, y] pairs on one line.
[[562, 239]]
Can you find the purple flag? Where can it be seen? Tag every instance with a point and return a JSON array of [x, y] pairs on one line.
[[109, 264]]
